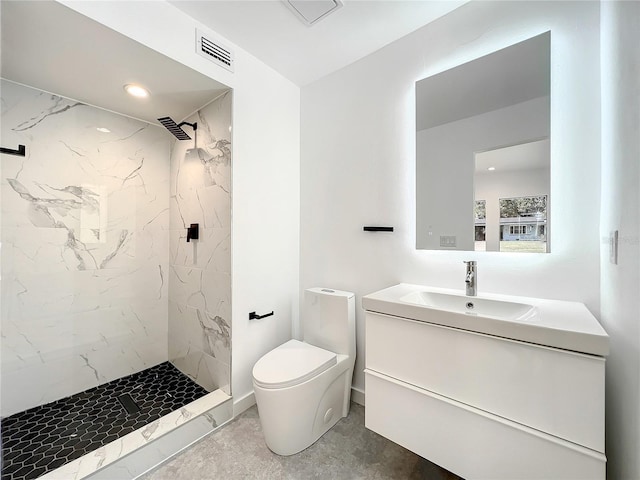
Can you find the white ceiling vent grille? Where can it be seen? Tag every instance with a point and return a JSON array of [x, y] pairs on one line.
[[214, 50]]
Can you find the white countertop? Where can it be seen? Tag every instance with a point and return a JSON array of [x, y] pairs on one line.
[[557, 323]]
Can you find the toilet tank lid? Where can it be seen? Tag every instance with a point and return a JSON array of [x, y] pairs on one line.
[[330, 291], [292, 363]]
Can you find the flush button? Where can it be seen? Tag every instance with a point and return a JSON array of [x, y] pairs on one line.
[[328, 416]]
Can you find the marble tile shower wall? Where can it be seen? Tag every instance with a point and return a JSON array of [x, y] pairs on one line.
[[200, 271], [85, 221]]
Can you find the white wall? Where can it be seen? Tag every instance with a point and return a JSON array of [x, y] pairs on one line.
[[265, 196], [358, 161], [621, 211]]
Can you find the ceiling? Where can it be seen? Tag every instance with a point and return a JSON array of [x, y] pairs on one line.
[[56, 40], [270, 31], [525, 156], [44, 42]]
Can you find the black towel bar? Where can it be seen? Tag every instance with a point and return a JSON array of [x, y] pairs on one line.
[[378, 229], [21, 151]]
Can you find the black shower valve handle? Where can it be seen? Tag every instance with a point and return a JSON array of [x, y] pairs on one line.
[[193, 232]]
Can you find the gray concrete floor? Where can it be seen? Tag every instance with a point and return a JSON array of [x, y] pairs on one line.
[[347, 451]]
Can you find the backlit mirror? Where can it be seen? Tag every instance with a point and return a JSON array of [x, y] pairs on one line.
[[483, 153]]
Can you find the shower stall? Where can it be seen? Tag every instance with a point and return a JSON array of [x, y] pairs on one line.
[[115, 323]]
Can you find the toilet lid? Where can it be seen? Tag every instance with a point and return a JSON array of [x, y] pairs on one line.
[[291, 363]]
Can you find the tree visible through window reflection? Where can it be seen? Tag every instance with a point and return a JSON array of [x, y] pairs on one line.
[[523, 207]]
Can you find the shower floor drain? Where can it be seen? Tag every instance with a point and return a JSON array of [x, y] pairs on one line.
[[128, 404]]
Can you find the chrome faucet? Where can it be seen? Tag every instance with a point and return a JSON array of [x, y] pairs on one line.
[[471, 278]]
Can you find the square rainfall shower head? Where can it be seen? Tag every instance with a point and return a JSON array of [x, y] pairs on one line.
[[174, 128]]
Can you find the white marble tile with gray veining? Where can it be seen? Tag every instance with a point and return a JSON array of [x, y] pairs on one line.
[[155, 452], [85, 220], [200, 272], [212, 251]]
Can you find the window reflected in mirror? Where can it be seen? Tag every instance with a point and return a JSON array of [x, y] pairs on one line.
[[511, 188], [480, 225], [523, 224]]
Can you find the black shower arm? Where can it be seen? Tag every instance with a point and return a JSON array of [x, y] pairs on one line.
[[193, 125]]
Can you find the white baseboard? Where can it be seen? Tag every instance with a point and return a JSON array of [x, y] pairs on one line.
[[357, 396], [243, 403]]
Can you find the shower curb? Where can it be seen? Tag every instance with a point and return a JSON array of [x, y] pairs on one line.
[[140, 451]]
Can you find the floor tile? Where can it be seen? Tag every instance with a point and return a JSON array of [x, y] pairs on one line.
[[44, 438]]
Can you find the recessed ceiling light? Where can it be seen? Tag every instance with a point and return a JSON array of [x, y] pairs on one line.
[[103, 130], [491, 169], [136, 90]]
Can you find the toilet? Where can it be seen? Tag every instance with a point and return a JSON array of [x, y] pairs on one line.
[[303, 388]]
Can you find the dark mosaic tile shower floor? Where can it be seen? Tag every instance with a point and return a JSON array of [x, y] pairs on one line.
[[43, 438]]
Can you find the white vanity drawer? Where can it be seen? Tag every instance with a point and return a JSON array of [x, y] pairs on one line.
[[470, 442], [552, 390]]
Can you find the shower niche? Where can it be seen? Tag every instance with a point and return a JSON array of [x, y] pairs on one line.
[[114, 328]]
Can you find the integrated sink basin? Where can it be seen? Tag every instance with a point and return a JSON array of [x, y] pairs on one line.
[[475, 306], [553, 323]]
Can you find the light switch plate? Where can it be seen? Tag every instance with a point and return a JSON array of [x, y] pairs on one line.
[[613, 247], [448, 241]]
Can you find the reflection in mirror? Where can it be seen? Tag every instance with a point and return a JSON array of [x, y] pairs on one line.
[[523, 224], [512, 186], [482, 141]]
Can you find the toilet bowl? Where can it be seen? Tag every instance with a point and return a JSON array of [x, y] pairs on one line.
[[303, 388]]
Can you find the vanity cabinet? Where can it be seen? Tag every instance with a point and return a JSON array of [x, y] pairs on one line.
[[483, 406]]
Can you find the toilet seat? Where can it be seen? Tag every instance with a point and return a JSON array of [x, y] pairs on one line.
[[292, 363]]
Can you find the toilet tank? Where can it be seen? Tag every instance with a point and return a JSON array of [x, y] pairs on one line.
[[329, 320]]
